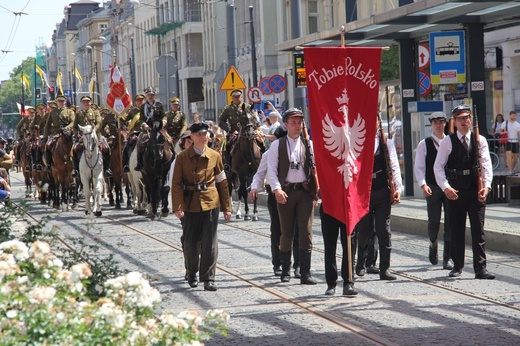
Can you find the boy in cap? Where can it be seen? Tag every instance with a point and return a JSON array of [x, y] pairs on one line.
[[456, 174], [435, 199]]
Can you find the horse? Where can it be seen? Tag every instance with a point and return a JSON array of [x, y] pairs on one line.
[[245, 159], [61, 168], [91, 170], [139, 198], [24, 153], [115, 183], [158, 156]]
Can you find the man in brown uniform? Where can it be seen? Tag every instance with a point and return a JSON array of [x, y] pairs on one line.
[[133, 123], [199, 189], [175, 120], [59, 117]]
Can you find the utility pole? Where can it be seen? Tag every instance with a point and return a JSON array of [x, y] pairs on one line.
[[253, 47]]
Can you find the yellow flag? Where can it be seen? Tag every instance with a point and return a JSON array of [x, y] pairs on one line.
[[43, 75], [78, 76], [58, 79], [26, 83]]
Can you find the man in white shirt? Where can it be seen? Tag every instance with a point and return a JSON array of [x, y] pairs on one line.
[[456, 174], [512, 127], [435, 199]]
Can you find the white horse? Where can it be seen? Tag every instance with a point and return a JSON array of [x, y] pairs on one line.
[[91, 170], [140, 202]]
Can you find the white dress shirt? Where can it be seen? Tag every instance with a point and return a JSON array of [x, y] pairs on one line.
[[445, 151], [419, 167], [261, 172], [294, 152], [394, 163]]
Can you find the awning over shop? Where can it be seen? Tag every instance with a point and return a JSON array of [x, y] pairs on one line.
[[162, 29]]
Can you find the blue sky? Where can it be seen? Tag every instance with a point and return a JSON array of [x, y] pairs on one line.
[[21, 33]]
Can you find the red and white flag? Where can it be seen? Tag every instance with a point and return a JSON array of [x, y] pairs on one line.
[[118, 99], [343, 88]]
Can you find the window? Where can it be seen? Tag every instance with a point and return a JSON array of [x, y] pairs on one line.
[[313, 16]]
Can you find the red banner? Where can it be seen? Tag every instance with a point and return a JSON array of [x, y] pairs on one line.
[[343, 88], [118, 99]]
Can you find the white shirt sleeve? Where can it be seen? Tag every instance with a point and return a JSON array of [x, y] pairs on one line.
[[261, 172], [419, 167], [272, 166], [394, 164], [440, 162], [485, 162]]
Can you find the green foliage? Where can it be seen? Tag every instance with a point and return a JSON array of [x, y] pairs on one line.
[[11, 91], [390, 64]]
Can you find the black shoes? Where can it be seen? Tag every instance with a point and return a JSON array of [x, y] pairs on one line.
[[192, 281], [360, 271], [372, 270], [210, 286], [433, 255], [307, 279], [126, 169], [483, 274], [348, 289], [455, 273], [386, 275], [297, 272], [277, 271], [331, 290], [448, 265]]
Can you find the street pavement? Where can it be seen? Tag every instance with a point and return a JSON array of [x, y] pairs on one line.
[[422, 307]]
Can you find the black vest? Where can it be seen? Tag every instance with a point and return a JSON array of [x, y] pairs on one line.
[[460, 160], [431, 155], [283, 160], [381, 180]]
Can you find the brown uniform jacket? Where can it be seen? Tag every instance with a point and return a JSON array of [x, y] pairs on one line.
[[191, 168], [37, 124], [133, 125], [109, 125], [86, 117], [57, 118], [22, 128], [176, 124]]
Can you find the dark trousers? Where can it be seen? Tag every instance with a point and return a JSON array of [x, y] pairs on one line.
[[276, 233], [378, 218], [467, 204], [331, 228], [298, 210], [201, 239], [434, 204]]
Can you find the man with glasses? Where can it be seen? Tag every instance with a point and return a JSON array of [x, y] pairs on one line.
[[59, 117], [456, 174], [435, 199]]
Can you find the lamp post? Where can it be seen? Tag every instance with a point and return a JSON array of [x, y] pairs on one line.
[[253, 47]]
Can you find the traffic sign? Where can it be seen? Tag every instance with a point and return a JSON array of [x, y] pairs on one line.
[[447, 57], [477, 86], [264, 85], [425, 85], [232, 80], [166, 66], [424, 55], [254, 94], [277, 83]]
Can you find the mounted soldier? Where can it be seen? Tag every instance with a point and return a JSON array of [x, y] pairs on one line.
[[109, 132], [133, 122], [35, 128], [175, 120], [59, 117], [22, 129], [150, 111]]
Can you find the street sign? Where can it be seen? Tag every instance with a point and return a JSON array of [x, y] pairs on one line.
[[166, 66], [408, 93], [254, 94], [447, 57], [424, 55], [232, 80], [477, 86], [277, 83], [425, 85], [264, 86]]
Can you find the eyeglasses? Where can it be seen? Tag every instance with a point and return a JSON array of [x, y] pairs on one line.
[[463, 118]]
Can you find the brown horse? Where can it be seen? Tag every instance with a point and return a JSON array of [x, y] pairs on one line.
[[24, 152], [246, 156], [158, 156], [115, 183], [62, 167]]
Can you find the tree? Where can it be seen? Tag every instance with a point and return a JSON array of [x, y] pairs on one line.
[[11, 91], [390, 64]]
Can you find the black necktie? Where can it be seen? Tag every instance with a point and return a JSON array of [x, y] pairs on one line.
[[465, 143]]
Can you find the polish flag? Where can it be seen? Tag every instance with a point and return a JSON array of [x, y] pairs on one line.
[[343, 90], [118, 99]]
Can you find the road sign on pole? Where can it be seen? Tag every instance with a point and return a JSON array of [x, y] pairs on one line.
[[232, 80]]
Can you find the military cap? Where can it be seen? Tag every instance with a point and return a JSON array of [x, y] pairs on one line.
[[86, 98], [175, 100], [149, 90], [60, 97], [236, 92], [437, 116], [199, 127], [51, 102], [292, 112], [186, 134], [460, 109], [31, 110], [41, 105], [139, 97]]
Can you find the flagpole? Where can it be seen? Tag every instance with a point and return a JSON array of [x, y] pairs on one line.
[[22, 108], [35, 83]]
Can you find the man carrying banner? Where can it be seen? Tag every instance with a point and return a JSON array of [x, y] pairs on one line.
[[289, 173]]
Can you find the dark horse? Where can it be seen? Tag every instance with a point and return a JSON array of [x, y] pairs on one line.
[[62, 167], [158, 156], [246, 155], [115, 183]]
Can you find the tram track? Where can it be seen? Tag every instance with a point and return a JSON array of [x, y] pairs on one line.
[[309, 307]]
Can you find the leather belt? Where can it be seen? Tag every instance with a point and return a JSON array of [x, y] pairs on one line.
[[294, 186], [374, 175], [464, 172], [194, 188]]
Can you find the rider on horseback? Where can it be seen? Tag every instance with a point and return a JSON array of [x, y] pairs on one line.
[[57, 119], [150, 111], [133, 122], [88, 115], [175, 120], [35, 128], [109, 131], [22, 129]]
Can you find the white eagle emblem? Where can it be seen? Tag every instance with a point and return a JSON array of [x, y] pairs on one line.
[[345, 142]]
